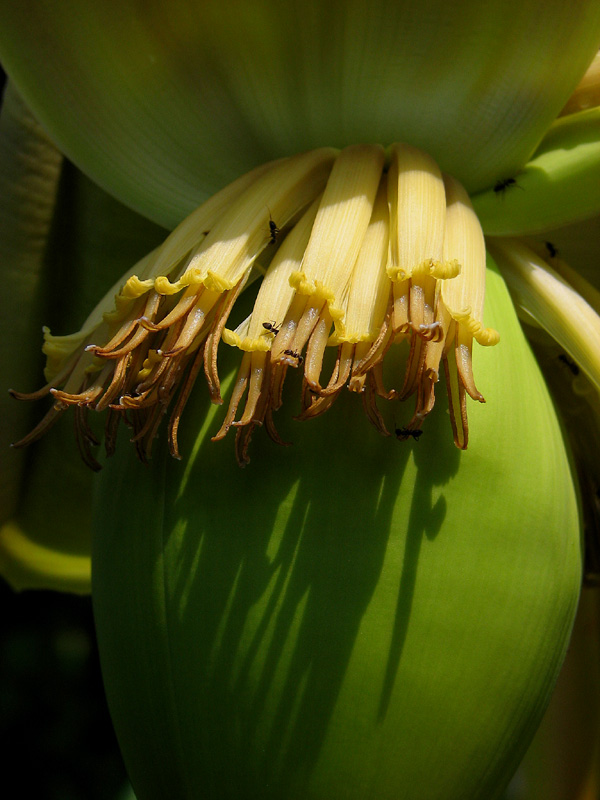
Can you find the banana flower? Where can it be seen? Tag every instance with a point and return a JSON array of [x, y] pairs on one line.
[[380, 609]]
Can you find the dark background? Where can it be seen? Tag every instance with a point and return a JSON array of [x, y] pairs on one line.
[[56, 737]]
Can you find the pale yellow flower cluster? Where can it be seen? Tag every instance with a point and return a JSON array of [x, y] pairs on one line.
[[360, 250]]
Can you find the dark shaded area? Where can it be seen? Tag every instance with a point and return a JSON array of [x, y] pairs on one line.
[[56, 735], [573, 395], [426, 519]]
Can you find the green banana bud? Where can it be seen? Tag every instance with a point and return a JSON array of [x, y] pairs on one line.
[[350, 617]]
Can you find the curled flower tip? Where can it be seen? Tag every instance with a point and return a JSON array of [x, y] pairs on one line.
[[370, 253]]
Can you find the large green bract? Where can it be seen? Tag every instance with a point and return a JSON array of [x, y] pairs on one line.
[[163, 103], [347, 617]]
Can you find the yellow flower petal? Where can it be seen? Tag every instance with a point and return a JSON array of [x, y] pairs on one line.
[[340, 226], [464, 295], [369, 286]]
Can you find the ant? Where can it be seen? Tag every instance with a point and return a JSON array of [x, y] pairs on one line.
[[271, 326], [503, 184], [569, 363], [295, 355], [414, 432], [273, 229], [552, 251]]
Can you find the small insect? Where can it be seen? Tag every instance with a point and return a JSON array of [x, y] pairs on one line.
[[569, 363], [552, 251], [414, 432], [295, 355], [503, 184], [273, 229], [271, 326]]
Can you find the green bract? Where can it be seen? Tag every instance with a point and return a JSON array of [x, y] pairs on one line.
[[164, 103], [348, 617]]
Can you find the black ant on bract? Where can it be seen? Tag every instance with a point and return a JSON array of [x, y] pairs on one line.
[[272, 327], [504, 183], [569, 363], [405, 432], [552, 251], [294, 354], [273, 229]]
